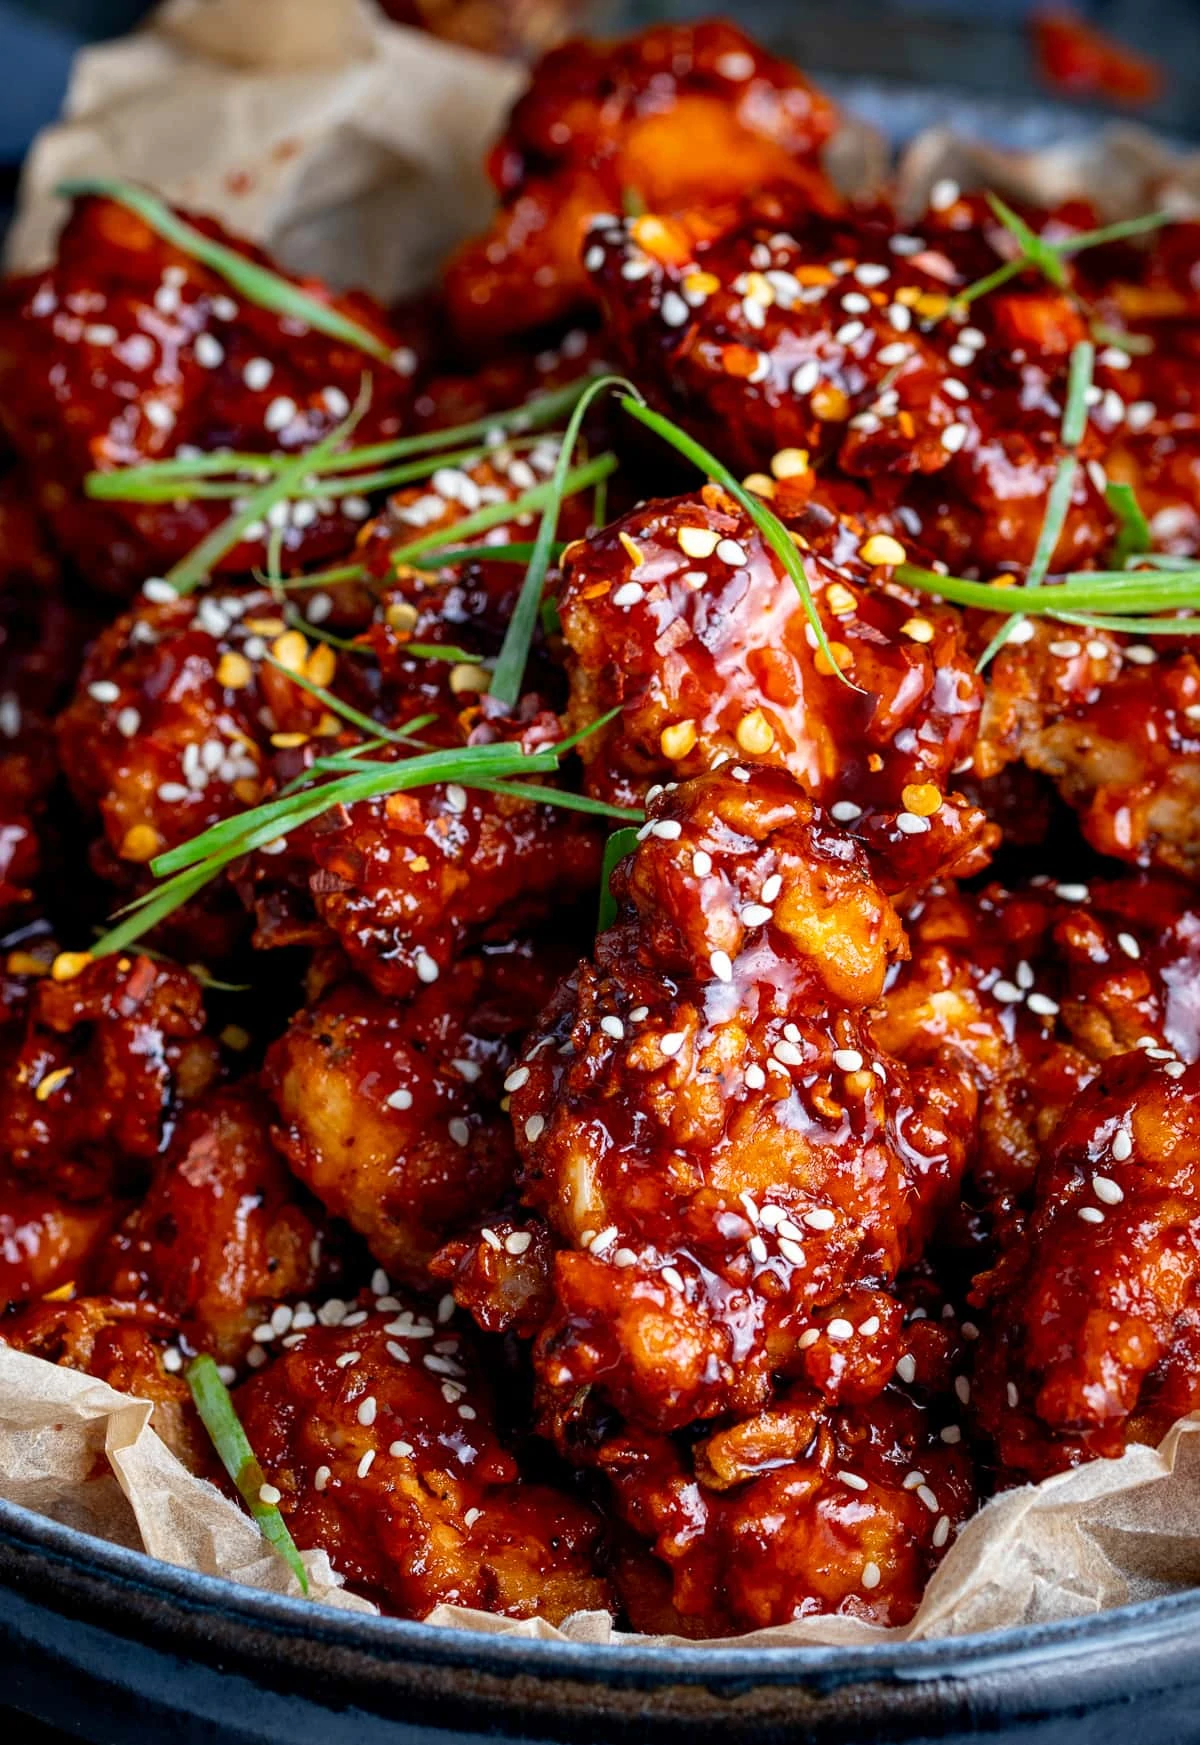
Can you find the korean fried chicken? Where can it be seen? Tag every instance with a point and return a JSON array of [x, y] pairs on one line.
[[677, 116], [1091, 1319], [682, 616], [379, 1434], [709, 1129], [129, 350], [705, 1247], [389, 1111]]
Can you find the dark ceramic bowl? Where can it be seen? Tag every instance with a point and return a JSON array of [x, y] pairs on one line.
[[116, 1648]]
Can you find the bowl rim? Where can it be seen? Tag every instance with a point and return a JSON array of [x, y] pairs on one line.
[[1000, 1651]]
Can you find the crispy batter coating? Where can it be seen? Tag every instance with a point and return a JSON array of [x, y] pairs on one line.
[[47, 1243], [1028, 991], [833, 340], [676, 116], [224, 1233], [706, 1123], [682, 614], [390, 1112], [130, 1346], [1115, 723], [108, 1059], [798, 1510], [1093, 1317], [127, 349], [379, 1434]]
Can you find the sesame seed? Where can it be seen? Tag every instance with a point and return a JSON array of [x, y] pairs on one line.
[[847, 1059], [459, 1131], [128, 722], [367, 1410], [756, 1078], [845, 812], [401, 1450], [788, 1054], [900, 317], [849, 332], [1107, 1190], [517, 1241], [1066, 648], [518, 1077], [730, 552], [400, 1099], [1091, 1215], [364, 1465], [698, 542], [910, 824], [820, 1219], [672, 1042], [535, 1126], [613, 1027], [629, 594], [805, 379], [852, 1480], [104, 691], [840, 1329], [928, 1498], [1011, 1394], [674, 309], [871, 273], [1042, 1005], [674, 1278], [943, 194], [321, 1478], [941, 1532], [427, 969], [906, 1368], [210, 353], [667, 829], [279, 413], [722, 968], [962, 1388], [792, 1251], [871, 1576], [1129, 945], [954, 436], [267, 1493], [258, 373], [1072, 893], [755, 915]]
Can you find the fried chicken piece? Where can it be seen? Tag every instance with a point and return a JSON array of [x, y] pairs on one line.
[[128, 350], [1092, 1329], [798, 1511], [676, 116], [835, 341], [681, 614], [224, 1233], [404, 884], [130, 1346], [1115, 724], [108, 1059], [390, 1112], [707, 1125], [1028, 991], [379, 1434], [501, 1273], [48, 1244]]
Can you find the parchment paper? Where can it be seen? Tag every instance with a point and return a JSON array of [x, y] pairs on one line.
[[351, 148], [347, 146]]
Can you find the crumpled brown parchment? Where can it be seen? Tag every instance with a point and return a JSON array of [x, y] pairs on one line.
[[351, 148]]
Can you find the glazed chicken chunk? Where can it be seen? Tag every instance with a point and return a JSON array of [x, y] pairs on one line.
[[681, 615], [379, 1434], [735, 1174], [676, 116], [128, 350]]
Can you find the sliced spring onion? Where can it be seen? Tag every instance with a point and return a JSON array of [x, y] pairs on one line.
[[1134, 538], [218, 1414], [619, 844], [258, 284]]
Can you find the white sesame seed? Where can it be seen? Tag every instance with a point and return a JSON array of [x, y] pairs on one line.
[[730, 552], [613, 1027], [962, 1388], [674, 1278], [1129, 945], [267, 1493], [871, 1576], [928, 1498], [805, 379], [941, 1532], [1122, 1145], [279, 413], [871, 273], [427, 969], [847, 1059], [756, 1078], [1106, 1189], [672, 1042], [1091, 1215], [1042, 1005], [701, 863], [128, 722], [257, 373], [210, 353], [364, 1465], [399, 1099], [674, 310], [755, 915], [900, 317], [1011, 1394], [401, 1450], [1065, 648], [852, 1481], [104, 691], [849, 331], [721, 966], [667, 829], [792, 1251], [459, 1131], [517, 1241], [820, 1219], [954, 436], [906, 1368], [629, 594], [367, 1410], [910, 824], [845, 812], [869, 1327], [1072, 893], [943, 194], [535, 1126], [839, 1328], [787, 1053], [321, 1478]]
